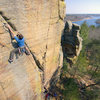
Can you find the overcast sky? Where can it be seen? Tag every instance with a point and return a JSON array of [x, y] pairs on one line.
[[83, 6]]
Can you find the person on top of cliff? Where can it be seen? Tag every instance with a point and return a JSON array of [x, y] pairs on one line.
[[20, 42]]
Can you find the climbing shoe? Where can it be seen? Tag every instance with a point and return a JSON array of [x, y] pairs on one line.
[[10, 61]]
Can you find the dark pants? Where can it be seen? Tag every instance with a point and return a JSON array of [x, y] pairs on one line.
[[18, 51]]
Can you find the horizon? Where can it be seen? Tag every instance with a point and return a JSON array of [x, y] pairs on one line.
[[82, 7]]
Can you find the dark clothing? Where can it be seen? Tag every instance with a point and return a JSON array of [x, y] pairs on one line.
[[16, 50], [21, 42], [23, 50], [19, 51], [47, 97]]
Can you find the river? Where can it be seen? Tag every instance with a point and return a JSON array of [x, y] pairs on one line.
[[91, 21]]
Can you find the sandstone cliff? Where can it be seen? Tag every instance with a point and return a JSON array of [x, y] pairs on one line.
[[41, 23]]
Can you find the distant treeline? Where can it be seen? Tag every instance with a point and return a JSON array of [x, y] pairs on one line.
[[77, 17]]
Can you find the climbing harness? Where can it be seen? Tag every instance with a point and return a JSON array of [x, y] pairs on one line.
[[21, 49]]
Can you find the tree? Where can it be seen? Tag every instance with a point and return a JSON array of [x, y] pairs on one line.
[[94, 57], [82, 61], [84, 32], [92, 27]]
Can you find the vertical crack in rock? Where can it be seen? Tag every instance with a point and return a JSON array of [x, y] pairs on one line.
[[60, 18], [60, 9], [2, 86], [35, 59], [45, 54], [3, 45]]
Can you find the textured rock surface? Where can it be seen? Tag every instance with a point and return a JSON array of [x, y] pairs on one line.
[[71, 41], [41, 23]]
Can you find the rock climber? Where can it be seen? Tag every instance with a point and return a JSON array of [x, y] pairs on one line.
[[49, 94], [20, 42]]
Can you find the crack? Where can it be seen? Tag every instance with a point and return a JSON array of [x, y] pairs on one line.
[[60, 18], [7, 20], [43, 75], [35, 59]]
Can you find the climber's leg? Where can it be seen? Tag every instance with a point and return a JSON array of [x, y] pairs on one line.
[[16, 50]]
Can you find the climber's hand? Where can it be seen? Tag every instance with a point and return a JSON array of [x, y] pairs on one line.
[[9, 28], [6, 25]]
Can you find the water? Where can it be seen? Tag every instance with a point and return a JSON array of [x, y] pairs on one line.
[[89, 22]]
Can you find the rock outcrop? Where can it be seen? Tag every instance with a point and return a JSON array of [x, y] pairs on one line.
[[71, 41], [98, 21], [41, 23]]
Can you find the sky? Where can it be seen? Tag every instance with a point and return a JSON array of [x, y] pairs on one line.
[[82, 6]]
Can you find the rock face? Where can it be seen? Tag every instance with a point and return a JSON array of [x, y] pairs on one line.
[[41, 23], [98, 21], [71, 41]]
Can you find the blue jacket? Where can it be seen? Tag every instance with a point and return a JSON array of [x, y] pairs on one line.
[[21, 43]]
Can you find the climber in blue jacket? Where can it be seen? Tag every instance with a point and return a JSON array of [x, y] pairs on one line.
[[20, 42]]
